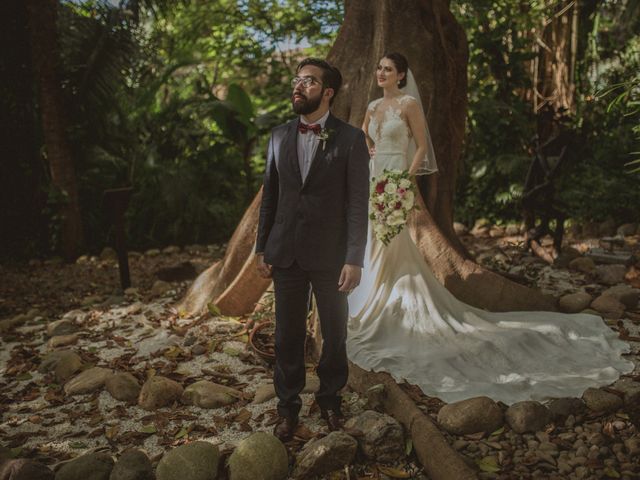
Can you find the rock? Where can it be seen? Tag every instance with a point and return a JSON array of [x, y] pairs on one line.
[[574, 302], [193, 461], [159, 392], [131, 292], [566, 256], [63, 363], [206, 394], [631, 390], [607, 228], [460, 228], [496, 231], [152, 252], [133, 255], [123, 386], [195, 249], [133, 465], [160, 288], [632, 445], [177, 273], [62, 341], [259, 456], [24, 469], [375, 396], [108, 254], [625, 294], [82, 260], [561, 408], [264, 393], [582, 264], [601, 401], [480, 232], [478, 414], [93, 466], [8, 324], [608, 307], [512, 230], [627, 229], [76, 316], [64, 326], [610, 274], [382, 439], [87, 381], [319, 457], [198, 349], [527, 416], [171, 249]]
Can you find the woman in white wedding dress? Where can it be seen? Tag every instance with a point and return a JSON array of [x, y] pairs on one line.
[[404, 322]]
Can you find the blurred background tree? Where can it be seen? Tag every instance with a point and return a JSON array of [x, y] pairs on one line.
[[175, 98]]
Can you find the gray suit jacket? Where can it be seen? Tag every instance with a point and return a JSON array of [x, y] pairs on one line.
[[321, 223]]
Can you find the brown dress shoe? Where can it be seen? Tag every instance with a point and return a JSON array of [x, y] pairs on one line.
[[335, 420], [285, 428]]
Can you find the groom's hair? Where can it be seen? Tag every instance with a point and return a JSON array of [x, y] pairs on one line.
[[331, 76]]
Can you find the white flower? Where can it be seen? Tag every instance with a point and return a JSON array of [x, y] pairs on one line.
[[409, 197], [404, 183], [394, 220], [390, 187]]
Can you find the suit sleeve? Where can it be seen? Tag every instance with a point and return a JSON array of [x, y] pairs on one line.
[[358, 200], [269, 204]]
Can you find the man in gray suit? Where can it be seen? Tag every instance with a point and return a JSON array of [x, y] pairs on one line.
[[311, 237]]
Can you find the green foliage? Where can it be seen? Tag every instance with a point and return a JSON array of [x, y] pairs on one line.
[[500, 123], [175, 99], [594, 183]]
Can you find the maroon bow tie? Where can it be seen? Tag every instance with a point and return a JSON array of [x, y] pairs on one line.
[[314, 127]]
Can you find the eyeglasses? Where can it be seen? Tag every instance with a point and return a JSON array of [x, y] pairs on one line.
[[306, 81]]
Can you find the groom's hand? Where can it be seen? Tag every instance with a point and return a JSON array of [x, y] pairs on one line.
[[349, 278], [264, 269]]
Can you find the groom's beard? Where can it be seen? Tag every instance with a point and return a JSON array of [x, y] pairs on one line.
[[306, 105]]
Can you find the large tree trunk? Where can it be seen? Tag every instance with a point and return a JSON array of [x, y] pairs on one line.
[[427, 33], [44, 48]]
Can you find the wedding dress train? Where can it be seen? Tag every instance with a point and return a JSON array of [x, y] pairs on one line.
[[404, 322]]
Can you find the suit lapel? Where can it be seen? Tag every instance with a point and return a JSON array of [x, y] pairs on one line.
[[291, 149], [330, 126]]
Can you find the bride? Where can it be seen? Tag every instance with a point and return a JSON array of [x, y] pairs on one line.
[[404, 322]]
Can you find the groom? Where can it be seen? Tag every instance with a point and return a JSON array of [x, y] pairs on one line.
[[311, 237]]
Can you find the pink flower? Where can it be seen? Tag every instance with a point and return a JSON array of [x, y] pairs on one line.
[[380, 206], [398, 205]]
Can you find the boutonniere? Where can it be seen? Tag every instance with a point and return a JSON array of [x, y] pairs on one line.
[[324, 136]]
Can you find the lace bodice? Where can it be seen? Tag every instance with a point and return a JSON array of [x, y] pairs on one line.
[[389, 130]]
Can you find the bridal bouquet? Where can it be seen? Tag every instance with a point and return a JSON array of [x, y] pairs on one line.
[[391, 198]]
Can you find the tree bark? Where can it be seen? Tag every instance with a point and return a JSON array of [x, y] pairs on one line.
[[42, 17], [557, 57], [232, 283], [426, 32], [440, 460]]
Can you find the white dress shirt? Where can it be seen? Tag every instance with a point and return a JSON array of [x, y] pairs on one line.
[[308, 145]]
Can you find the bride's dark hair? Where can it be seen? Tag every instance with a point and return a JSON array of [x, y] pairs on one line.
[[401, 63]]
